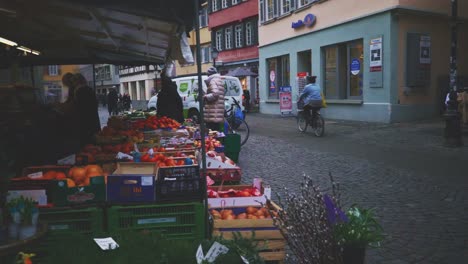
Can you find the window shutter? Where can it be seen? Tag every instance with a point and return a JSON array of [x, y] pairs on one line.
[[242, 35], [210, 7], [254, 32], [232, 37], [229, 3], [223, 44], [219, 4]]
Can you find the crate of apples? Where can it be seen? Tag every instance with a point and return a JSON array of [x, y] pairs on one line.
[[242, 213]]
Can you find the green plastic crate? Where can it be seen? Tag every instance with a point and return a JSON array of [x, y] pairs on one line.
[[174, 221], [65, 221]]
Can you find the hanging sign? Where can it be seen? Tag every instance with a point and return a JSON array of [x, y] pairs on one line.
[[355, 66], [285, 99], [308, 21], [376, 55], [425, 50]]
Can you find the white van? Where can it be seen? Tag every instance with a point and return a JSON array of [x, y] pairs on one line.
[[187, 86]]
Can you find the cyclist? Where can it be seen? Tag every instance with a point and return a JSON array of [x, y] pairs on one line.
[[311, 96]]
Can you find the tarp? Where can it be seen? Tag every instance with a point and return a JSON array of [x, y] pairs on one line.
[[133, 32]]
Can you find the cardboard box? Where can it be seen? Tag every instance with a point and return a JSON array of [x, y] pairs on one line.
[[132, 182], [239, 201]]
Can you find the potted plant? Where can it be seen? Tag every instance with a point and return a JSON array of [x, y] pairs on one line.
[[23, 217], [358, 230]]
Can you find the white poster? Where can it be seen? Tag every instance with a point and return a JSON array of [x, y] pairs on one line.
[[376, 53], [425, 50]]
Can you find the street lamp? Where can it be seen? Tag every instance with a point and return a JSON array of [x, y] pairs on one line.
[[214, 55]]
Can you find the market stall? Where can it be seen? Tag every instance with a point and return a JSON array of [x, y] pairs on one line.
[[143, 174]]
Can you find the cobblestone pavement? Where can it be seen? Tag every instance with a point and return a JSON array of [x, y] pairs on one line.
[[417, 187]]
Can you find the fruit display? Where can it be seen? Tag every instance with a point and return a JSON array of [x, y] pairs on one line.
[[117, 123], [155, 122], [249, 213], [164, 161], [109, 135], [220, 157], [246, 192], [210, 143], [80, 176]]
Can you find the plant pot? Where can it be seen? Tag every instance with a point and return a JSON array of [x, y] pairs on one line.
[[13, 230], [27, 231], [354, 255]]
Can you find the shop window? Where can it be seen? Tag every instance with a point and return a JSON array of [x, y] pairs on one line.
[[53, 70], [219, 40], [343, 70], [278, 75], [239, 37], [228, 37]]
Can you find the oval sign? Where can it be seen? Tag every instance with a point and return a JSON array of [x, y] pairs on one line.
[[309, 20]]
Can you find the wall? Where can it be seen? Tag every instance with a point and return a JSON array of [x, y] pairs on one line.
[[376, 101], [436, 6], [238, 12], [329, 13]]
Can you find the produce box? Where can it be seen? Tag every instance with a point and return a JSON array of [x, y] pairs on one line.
[[267, 234], [175, 221], [239, 196], [224, 174], [93, 193], [132, 182], [221, 168]]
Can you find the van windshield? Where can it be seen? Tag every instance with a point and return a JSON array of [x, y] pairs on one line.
[[231, 88]]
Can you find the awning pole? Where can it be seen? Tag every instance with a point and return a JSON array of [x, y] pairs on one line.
[[202, 114]]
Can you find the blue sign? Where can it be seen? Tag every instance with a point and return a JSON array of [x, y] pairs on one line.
[[309, 21], [355, 66], [285, 89]]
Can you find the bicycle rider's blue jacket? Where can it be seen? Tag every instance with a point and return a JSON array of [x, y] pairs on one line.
[[311, 92]]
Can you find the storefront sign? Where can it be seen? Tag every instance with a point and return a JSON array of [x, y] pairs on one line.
[[376, 55], [285, 99], [272, 82], [309, 21], [425, 50], [302, 74], [355, 66]]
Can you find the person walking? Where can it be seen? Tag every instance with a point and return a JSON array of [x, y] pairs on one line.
[[112, 100], [87, 110], [214, 100], [169, 102], [127, 101]]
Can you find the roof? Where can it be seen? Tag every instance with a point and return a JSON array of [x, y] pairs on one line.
[[118, 32]]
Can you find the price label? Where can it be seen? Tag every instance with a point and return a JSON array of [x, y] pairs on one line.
[[35, 175]]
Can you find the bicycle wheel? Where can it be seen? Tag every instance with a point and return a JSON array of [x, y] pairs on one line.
[[301, 122], [240, 127], [319, 125]]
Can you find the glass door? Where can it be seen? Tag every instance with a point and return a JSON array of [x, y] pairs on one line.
[[355, 69]]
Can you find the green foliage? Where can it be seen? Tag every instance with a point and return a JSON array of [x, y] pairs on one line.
[[361, 230], [238, 246]]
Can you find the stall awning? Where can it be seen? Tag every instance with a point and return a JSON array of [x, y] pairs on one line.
[[131, 32]]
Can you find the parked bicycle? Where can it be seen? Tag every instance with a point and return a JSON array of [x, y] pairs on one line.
[[235, 121], [313, 119]]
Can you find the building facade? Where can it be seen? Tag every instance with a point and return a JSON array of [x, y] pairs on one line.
[[139, 82], [54, 90], [378, 61], [234, 34]]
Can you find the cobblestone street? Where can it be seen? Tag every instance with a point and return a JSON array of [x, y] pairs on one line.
[[417, 187]]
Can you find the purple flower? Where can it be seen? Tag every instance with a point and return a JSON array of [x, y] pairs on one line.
[[334, 213]]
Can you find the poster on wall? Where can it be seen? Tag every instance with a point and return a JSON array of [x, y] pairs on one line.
[[425, 50], [376, 54], [355, 66], [272, 82], [285, 99]]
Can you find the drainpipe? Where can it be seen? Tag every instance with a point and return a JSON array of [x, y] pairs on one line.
[[453, 129]]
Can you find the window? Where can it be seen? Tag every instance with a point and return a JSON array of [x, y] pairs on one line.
[[53, 70], [270, 9], [219, 40], [418, 61], [206, 54], [235, 2], [302, 3], [103, 73], [228, 37], [224, 3], [248, 34], [142, 90], [261, 10], [239, 39], [214, 5], [343, 64], [285, 6], [277, 75], [203, 17]]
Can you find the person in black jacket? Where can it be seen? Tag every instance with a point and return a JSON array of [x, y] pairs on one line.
[[112, 99], [169, 102]]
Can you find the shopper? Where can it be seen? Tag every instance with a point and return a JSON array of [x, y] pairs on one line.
[[311, 96], [112, 100], [87, 110], [127, 101], [247, 100], [169, 102], [214, 100]]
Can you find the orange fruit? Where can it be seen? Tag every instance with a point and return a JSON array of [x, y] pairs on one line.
[[50, 175], [70, 183], [60, 175], [93, 169], [78, 174]]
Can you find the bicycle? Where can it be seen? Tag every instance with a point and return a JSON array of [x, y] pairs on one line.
[[315, 120], [235, 124]]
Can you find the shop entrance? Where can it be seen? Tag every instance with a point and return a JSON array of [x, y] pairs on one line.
[[304, 65]]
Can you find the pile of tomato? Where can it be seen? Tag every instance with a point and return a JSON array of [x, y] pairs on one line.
[[247, 192], [155, 122]]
